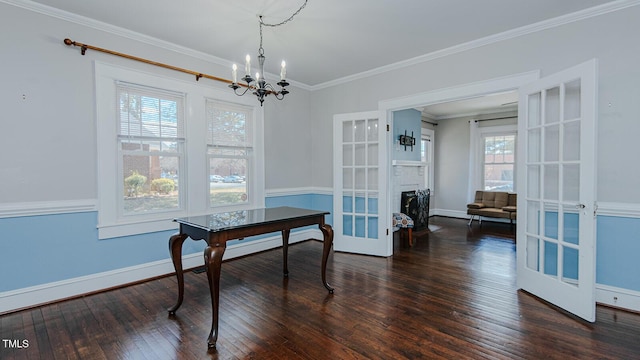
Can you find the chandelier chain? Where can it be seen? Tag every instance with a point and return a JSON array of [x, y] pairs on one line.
[[262, 23], [287, 20]]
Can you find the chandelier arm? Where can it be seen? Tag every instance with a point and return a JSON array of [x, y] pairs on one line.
[[262, 88], [235, 90]]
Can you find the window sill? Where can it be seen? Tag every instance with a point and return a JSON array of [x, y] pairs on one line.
[[143, 227]]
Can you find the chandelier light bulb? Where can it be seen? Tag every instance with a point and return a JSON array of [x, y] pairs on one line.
[[234, 73], [283, 70], [247, 65]]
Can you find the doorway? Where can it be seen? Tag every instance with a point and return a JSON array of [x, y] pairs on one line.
[[556, 121], [450, 96]]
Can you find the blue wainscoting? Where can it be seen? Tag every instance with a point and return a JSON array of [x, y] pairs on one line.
[[617, 251], [307, 201], [43, 249], [47, 248]]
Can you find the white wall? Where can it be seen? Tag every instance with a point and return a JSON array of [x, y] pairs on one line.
[[287, 139], [609, 37], [451, 165], [48, 132]]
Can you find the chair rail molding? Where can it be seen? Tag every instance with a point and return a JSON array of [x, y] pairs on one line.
[[36, 208], [630, 210]]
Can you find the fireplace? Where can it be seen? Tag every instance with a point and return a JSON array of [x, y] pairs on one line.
[[416, 205]]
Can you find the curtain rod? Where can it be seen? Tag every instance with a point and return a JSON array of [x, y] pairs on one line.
[[430, 123], [498, 118], [198, 75]]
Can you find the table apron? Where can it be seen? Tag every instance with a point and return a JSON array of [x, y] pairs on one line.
[[196, 233]]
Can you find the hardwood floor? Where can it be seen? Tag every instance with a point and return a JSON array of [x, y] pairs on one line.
[[452, 295]]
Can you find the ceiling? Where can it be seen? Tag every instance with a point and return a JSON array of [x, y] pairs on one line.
[[328, 40]]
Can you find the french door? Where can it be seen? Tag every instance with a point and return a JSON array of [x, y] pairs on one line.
[[556, 182], [360, 216]]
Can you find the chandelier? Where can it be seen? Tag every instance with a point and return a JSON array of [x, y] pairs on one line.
[[259, 85]]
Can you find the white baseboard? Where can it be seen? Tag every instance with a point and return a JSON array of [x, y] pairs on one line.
[[617, 297], [449, 213], [463, 215], [41, 294]]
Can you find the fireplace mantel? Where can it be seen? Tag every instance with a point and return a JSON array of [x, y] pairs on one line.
[[408, 163]]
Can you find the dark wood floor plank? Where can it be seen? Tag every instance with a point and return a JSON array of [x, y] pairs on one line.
[[452, 295], [60, 338], [11, 329]]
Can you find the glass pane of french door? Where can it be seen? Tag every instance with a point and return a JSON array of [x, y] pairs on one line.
[[360, 145], [553, 174]]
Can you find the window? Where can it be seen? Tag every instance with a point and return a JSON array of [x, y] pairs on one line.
[[426, 156], [498, 163], [230, 153], [151, 148], [172, 148]]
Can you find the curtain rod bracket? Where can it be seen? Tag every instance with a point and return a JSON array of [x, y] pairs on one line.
[[83, 47]]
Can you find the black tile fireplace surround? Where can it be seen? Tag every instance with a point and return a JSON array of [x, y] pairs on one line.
[[415, 204]]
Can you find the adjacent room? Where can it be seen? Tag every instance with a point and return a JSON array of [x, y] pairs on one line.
[[319, 179]]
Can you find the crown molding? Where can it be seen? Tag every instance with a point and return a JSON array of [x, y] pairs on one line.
[[492, 39]]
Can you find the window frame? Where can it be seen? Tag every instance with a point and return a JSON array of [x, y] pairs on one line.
[[179, 154], [194, 180], [428, 137]]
